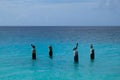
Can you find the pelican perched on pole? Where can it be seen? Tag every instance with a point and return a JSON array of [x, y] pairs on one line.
[[76, 58]]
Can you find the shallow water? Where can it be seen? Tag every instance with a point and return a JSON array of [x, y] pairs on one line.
[[16, 62]]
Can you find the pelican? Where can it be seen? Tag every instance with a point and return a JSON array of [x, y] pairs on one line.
[[33, 52], [75, 47]]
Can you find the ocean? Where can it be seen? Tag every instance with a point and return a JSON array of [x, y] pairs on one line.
[[16, 62]]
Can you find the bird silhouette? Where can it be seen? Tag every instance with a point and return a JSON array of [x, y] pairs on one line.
[[75, 47]]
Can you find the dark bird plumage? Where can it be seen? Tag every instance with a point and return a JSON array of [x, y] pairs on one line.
[[76, 47]]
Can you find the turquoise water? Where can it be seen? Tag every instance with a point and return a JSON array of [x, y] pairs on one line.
[[16, 62]]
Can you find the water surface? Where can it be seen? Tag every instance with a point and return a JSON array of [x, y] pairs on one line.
[[16, 62]]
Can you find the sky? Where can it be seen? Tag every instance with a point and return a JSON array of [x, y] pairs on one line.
[[59, 13]]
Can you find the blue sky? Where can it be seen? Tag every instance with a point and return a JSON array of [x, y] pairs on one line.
[[59, 13]]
